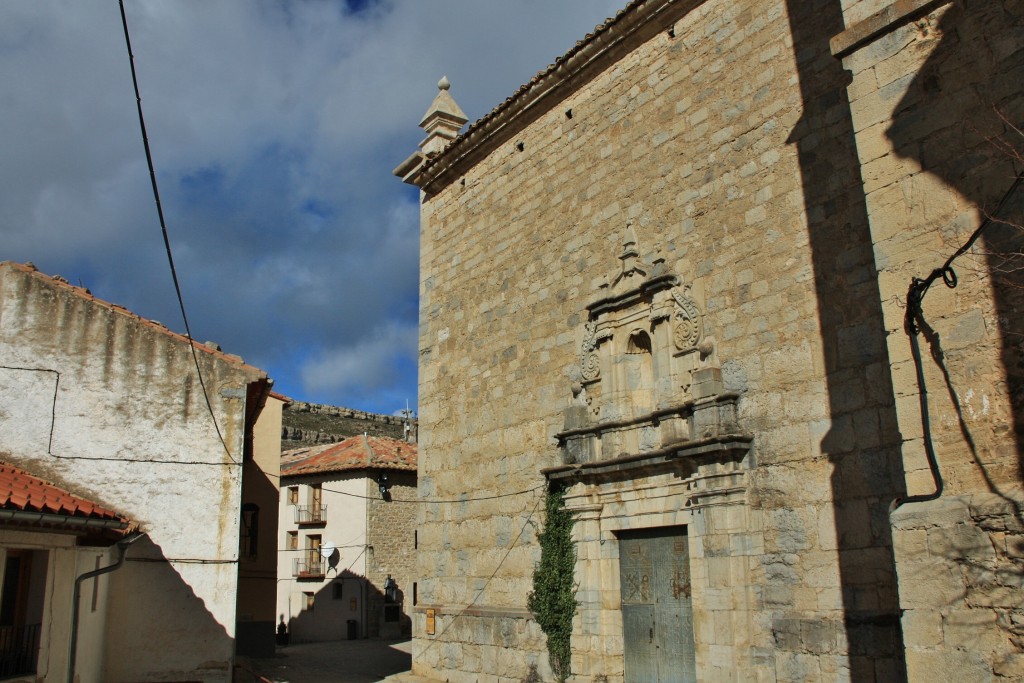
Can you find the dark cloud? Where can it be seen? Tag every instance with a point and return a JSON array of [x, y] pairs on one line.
[[274, 127]]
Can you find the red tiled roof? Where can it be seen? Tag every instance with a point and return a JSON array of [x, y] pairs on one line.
[[354, 453], [22, 491]]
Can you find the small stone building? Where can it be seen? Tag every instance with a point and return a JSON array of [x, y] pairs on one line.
[[347, 532], [669, 277]]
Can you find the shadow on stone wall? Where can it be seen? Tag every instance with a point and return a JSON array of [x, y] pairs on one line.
[[961, 119], [863, 441], [956, 119]]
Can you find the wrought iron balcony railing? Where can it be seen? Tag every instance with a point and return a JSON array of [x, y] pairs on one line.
[[19, 650], [308, 567], [310, 514]]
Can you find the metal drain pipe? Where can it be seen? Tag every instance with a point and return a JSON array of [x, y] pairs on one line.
[[122, 547]]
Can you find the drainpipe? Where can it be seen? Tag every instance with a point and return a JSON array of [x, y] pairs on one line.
[[122, 547]]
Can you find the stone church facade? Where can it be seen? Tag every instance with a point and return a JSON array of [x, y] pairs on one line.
[[670, 277]]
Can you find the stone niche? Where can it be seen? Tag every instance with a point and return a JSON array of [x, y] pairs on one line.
[[647, 384]]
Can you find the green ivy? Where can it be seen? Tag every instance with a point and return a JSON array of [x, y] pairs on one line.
[[553, 599]]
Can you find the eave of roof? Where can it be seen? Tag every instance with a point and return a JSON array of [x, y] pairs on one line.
[[26, 499], [630, 27]]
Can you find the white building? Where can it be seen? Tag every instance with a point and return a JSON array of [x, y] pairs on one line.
[[347, 524], [101, 402]]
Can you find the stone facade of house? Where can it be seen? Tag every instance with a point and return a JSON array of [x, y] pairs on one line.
[[669, 275], [937, 107]]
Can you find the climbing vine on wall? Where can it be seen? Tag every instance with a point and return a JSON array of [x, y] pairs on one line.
[[553, 599]]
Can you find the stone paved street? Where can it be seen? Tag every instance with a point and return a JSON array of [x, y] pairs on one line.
[[345, 661]]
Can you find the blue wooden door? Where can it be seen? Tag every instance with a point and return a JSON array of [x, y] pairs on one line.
[[657, 612]]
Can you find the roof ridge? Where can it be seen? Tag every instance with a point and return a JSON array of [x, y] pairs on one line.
[[84, 293]]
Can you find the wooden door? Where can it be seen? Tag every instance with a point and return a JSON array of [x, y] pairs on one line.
[[657, 612]]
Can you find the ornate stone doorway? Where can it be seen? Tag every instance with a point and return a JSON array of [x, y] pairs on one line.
[[657, 611]]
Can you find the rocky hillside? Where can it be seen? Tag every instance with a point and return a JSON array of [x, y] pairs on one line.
[[307, 424]]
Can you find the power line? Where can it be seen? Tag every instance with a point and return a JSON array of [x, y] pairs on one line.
[[163, 230]]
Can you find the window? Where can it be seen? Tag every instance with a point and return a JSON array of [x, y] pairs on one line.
[[293, 540], [338, 591], [313, 556], [21, 610], [293, 495], [315, 496], [307, 601], [250, 531]]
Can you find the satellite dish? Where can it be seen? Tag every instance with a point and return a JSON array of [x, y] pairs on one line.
[[330, 553]]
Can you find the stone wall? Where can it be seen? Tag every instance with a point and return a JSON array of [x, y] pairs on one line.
[[935, 96], [960, 564], [391, 534], [723, 140], [786, 168]]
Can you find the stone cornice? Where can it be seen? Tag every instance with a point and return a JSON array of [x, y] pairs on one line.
[[725, 447], [637, 23], [880, 23]]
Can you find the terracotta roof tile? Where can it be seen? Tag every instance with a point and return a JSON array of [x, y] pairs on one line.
[[20, 490], [354, 453]]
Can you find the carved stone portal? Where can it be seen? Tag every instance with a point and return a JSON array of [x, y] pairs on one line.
[[647, 380]]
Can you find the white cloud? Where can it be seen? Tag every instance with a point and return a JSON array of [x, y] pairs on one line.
[[274, 127], [363, 365]]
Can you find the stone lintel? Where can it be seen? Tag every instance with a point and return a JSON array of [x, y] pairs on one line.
[[653, 418], [880, 23]]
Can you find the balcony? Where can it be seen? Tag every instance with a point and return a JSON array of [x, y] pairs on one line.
[[310, 514], [308, 568]]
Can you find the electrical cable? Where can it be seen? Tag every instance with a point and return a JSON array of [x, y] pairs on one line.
[[163, 230], [158, 461], [101, 458], [508, 551]]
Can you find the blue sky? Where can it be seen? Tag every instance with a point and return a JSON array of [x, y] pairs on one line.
[[274, 126]]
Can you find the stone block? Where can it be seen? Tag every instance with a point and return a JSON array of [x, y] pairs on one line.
[[947, 665]]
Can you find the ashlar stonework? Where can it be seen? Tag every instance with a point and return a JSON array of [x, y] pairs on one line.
[[670, 274]]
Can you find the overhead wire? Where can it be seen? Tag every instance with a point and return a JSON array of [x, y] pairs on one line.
[[508, 551], [163, 230]]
